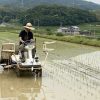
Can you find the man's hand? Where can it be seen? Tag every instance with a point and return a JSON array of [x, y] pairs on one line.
[[22, 41], [32, 41]]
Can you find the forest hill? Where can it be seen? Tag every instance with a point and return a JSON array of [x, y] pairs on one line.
[[48, 15]]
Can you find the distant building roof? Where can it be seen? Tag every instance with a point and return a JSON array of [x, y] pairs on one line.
[[63, 28], [75, 26]]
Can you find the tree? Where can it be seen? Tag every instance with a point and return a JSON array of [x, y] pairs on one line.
[[54, 15], [0, 19], [6, 19]]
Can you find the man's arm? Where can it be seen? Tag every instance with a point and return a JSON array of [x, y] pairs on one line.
[[20, 39]]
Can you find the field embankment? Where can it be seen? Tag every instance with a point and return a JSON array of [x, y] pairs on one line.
[[73, 39]]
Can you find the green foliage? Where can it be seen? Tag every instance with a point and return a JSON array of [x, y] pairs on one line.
[[48, 29], [6, 19], [45, 15], [53, 15], [97, 14], [7, 13], [1, 19], [50, 33], [59, 34]]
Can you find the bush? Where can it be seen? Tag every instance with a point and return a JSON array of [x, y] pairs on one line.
[[50, 33], [73, 39], [59, 34], [48, 30], [6, 19]]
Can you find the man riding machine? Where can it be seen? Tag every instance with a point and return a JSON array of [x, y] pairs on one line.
[[26, 58]]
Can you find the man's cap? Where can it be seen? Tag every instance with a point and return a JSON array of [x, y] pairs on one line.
[[29, 26]]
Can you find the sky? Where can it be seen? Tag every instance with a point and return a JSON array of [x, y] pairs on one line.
[[95, 1]]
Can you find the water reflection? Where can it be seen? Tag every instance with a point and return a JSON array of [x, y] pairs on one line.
[[23, 88], [1, 69]]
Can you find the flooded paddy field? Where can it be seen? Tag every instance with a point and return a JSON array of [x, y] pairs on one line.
[[62, 79]]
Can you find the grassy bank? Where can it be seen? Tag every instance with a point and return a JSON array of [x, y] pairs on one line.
[[73, 39]]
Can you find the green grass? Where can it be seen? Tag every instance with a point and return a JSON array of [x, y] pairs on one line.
[[8, 37], [73, 39]]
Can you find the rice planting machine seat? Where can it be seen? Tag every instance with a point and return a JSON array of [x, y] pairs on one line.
[[12, 59]]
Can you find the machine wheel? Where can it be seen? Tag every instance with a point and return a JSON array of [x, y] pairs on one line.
[[37, 73], [40, 73], [33, 73], [18, 72]]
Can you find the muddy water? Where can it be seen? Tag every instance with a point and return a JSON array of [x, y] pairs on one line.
[[59, 81]]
